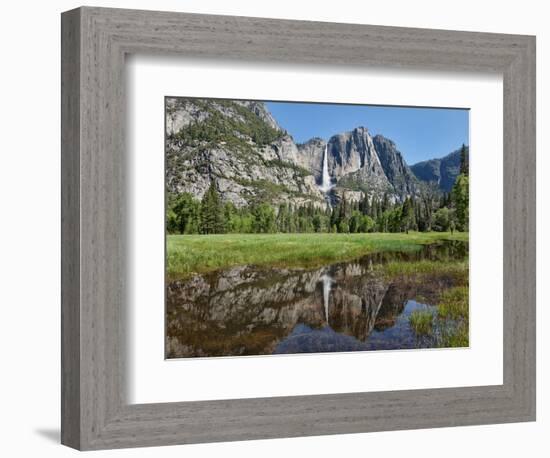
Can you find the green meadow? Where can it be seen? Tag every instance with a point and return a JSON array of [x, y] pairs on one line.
[[190, 254]]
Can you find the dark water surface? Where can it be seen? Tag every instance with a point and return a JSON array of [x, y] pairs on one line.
[[346, 306]]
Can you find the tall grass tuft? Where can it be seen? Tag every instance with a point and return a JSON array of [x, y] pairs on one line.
[[421, 322], [454, 304], [454, 307], [457, 336]]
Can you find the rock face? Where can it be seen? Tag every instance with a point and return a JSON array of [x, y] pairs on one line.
[[361, 163], [396, 169], [241, 147], [354, 162], [441, 171], [310, 157], [352, 151]]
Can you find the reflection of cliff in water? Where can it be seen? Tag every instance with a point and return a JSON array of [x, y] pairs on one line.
[[342, 307]]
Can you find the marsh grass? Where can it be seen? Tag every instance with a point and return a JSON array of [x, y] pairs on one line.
[[189, 254], [451, 321], [417, 269], [453, 309], [457, 336], [421, 322], [454, 304]]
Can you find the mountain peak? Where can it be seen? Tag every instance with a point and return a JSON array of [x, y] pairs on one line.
[[442, 171], [260, 110], [252, 158], [313, 141], [381, 139]]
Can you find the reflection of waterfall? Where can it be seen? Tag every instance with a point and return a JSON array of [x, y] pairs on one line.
[[325, 184], [263, 310], [327, 282]]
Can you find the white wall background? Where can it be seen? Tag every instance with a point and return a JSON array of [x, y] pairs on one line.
[[29, 228]]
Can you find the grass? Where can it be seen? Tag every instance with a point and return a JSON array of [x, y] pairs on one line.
[[454, 305], [456, 337], [189, 254], [452, 319], [456, 269], [422, 322]]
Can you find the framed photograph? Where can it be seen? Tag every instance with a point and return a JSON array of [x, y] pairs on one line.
[[303, 239], [288, 228]]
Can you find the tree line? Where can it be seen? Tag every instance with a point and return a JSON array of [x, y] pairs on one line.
[[430, 211]]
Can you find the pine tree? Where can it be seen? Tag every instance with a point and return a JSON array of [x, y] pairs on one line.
[[461, 202], [212, 212], [343, 209], [385, 203], [374, 208], [407, 214], [184, 212], [264, 219], [335, 216], [364, 207]]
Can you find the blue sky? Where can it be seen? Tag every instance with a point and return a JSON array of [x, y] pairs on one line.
[[419, 133]]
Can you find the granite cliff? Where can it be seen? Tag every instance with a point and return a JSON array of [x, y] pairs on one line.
[[240, 146], [442, 172]]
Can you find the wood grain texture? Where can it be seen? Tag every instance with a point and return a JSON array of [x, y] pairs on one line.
[[70, 229], [96, 414]]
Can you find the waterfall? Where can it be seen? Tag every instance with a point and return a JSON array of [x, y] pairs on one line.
[[325, 184], [327, 283]]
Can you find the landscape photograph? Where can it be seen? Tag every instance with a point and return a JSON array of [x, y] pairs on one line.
[[296, 227]]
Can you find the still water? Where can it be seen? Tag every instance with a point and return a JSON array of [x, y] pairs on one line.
[[345, 306]]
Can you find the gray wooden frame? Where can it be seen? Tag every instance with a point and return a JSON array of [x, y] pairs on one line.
[[95, 413]]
